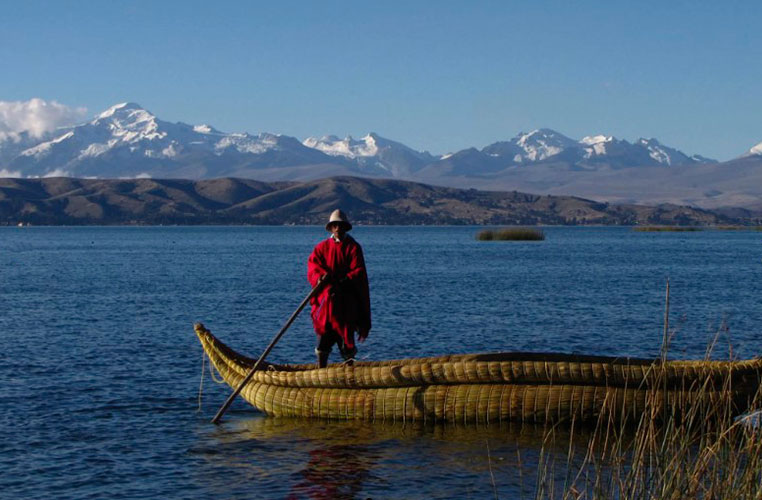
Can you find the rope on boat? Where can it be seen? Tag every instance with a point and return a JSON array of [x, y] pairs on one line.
[[212, 368], [201, 382]]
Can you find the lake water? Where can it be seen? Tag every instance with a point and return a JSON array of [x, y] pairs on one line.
[[100, 367]]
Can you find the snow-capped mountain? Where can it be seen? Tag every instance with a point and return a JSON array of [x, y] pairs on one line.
[[669, 156], [534, 146], [643, 152], [348, 147], [127, 140], [11, 145], [602, 150], [546, 145], [373, 151]]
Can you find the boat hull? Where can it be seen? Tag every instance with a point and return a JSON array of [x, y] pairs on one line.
[[487, 388]]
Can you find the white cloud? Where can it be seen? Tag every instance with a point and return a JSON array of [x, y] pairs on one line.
[[59, 172], [9, 173], [35, 116]]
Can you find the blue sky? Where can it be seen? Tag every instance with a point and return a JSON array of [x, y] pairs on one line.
[[435, 75]]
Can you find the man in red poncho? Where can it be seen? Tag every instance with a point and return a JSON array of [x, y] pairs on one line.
[[343, 306]]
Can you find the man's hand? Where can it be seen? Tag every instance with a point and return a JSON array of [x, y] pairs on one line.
[[334, 279]]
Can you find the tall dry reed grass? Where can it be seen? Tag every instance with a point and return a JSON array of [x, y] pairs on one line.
[[695, 446]]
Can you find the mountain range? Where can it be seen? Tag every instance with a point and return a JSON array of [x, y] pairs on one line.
[[65, 200], [127, 141]]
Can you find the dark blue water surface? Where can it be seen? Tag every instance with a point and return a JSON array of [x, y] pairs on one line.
[[100, 367]]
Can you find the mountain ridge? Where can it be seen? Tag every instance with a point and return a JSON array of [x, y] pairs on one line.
[[65, 200]]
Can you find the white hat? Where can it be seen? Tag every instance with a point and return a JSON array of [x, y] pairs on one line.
[[338, 216]]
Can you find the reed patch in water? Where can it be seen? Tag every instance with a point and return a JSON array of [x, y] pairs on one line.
[[511, 234], [664, 229], [738, 228]]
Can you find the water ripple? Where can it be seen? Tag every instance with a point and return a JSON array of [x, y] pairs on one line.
[[101, 369]]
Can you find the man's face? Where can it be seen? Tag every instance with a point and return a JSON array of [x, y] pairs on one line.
[[337, 230]]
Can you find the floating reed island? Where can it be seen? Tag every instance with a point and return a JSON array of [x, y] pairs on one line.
[[737, 228], [690, 229], [511, 234], [667, 229], [486, 388]]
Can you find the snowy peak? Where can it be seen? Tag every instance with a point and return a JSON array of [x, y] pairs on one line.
[[663, 154], [130, 126], [125, 124], [643, 152], [530, 147], [253, 144], [370, 145], [592, 140], [129, 122], [541, 144], [206, 129], [756, 150], [128, 137], [592, 151], [596, 145], [542, 136], [347, 147], [373, 153], [123, 108]]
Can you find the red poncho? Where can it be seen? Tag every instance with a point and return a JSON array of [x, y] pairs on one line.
[[344, 305]]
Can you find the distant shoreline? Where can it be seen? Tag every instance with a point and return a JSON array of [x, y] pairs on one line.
[[64, 201], [744, 227]]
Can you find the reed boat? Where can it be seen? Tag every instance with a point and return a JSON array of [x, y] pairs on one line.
[[486, 388]]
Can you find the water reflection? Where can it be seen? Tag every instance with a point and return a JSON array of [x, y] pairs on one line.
[[334, 471], [300, 458]]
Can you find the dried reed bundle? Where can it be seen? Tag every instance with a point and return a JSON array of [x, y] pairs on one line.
[[484, 388]]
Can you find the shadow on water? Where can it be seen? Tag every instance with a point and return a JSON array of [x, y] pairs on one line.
[[300, 458]]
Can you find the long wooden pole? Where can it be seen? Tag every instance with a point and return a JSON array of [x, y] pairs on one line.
[[275, 340]]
